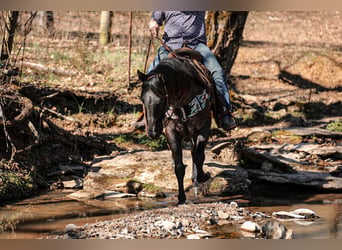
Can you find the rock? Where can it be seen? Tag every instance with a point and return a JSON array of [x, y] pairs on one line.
[[267, 166], [193, 237], [71, 228], [128, 186], [233, 205], [259, 136], [203, 233], [259, 215], [222, 215], [155, 168], [250, 226], [108, 194], [287, 215], [337, 172], [249, 234], [228, 182], [83, 195], [144, 194], [75, 183], [167, 225], [307, 213], [276, 230]]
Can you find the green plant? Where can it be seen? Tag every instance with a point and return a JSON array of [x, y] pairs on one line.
[[157, 144], [335, 126], [286, 136]]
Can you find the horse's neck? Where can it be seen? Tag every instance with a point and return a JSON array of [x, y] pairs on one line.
[[181, 97]]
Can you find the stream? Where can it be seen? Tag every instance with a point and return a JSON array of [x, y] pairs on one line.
[[51, 211]]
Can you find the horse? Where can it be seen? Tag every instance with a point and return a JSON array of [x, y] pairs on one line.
[[176, 99]]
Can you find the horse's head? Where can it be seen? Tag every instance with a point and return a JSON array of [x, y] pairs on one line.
[[153, 96]]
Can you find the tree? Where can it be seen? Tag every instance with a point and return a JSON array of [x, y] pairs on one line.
[[224, 32], [8, 29], [46, 22], [105, 26]]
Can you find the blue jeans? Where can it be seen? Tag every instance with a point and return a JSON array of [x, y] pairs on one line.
[[210, 61]]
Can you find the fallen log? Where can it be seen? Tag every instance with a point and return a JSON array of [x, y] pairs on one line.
[[280, 164], [25, 107], [318, 132], [41, 67], [316, 180]]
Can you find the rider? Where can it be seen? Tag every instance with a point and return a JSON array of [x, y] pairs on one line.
[[189, 27]]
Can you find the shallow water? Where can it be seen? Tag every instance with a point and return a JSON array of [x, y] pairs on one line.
[[50, 212]]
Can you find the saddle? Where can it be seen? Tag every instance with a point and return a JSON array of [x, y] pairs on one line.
[[217, 102], [188, 52]]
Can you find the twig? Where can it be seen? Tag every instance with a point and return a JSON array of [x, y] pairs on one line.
[[59, 115], [129, 50]]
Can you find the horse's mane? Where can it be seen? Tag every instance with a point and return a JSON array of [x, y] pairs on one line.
[[179, 73]]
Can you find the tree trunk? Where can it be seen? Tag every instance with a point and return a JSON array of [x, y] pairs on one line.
[[224, 32], [50, 22], [8, 36], [105, 27]]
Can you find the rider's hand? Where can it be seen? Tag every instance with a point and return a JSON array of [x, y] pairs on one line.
[[154, 28]]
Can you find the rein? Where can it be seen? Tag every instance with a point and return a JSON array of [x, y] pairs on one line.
[[149, 49]]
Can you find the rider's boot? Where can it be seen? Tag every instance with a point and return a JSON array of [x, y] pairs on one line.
[[228, 122]]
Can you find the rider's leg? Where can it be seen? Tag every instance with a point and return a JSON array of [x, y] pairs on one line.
[[162, 53], [210, 61]]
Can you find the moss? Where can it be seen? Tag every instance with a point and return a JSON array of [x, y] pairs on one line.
[[9, 222], [15, 185], [150, 188], [127, 139], [286, 137], [335, 126]]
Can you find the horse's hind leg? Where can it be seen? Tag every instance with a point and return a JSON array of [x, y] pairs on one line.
[[198, 156]]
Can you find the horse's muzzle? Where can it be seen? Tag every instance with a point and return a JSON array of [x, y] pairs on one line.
[[153, 134]]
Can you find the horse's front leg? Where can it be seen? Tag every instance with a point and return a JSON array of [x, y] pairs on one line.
[[175, 145], [198, 155]]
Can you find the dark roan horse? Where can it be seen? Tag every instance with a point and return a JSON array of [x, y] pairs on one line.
[[176, 98]]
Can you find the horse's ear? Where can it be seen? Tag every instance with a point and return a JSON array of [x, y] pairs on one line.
[[142, 76]]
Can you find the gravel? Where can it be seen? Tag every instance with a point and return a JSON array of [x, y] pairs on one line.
[[190, 221]]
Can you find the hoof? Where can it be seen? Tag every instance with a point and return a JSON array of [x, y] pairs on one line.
[[181, 203], [204, 178], [181, 199]]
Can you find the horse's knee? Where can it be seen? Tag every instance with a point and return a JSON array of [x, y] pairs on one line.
[[180, 170]]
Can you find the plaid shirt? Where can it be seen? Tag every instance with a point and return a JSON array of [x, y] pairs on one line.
[[182, 26]]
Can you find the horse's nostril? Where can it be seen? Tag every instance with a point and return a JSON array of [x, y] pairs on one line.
[[152, 134]]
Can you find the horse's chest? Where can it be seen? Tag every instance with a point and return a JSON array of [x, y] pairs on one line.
[[183, 128]]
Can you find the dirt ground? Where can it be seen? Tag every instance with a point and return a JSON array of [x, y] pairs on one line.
[[288, 73]]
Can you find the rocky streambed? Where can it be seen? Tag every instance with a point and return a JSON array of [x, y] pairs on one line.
[[190, 221]]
